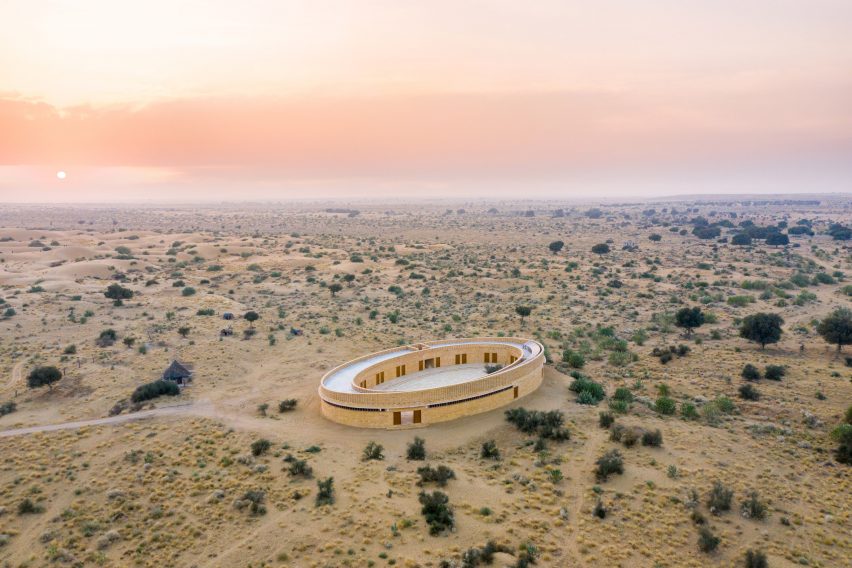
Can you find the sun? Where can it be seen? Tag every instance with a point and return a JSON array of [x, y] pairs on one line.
[[60, 174]]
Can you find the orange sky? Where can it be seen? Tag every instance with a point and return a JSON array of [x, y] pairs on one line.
[[217, 99]]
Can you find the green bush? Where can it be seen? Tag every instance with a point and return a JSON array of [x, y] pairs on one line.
[[753, 507], [707, 541], [489, 451], [654, 438], [287, 405], [755, 559], [260, 447], [688, 411], [547, 424], [665, 405], [435, 507], [416, 449], [605, 419], [595, 391], [750, 373], [748, 392], [775, 372], [373, 451], [843, 435], [720, 498], [153, 390], [608, 464], [325, 491], [439, 475]]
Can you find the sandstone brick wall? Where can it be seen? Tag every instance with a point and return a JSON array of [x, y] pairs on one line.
[[376, 409]]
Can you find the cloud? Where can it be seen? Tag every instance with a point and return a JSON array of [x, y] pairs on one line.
[[436, 137]]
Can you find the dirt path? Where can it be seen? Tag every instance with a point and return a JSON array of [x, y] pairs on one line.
[[197, 407], [16, 375]]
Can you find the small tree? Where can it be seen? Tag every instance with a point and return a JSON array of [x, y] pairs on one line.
[[117, 293], [751, 373], [41, 376], [260, 447], [489, 451], [741, 240], [778, 239], [325, 491], [762, 328], [523, 311], [689, 319], [600, 249], [836, 327], [417, 449], [436, 509], [556, 246], [251, 317], [608, 464], [334, 288], [184, 330]]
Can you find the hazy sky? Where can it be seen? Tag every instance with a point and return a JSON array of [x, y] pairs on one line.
[[216, 99]]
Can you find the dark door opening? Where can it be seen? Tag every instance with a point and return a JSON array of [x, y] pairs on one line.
[[397, 418], [429, 364], [516, 392], [417, 417]]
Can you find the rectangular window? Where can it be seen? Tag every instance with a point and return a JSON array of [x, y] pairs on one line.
[[400, 370], [437, 361], [380, 378], [493, 357], [464, 358], [488, 357]]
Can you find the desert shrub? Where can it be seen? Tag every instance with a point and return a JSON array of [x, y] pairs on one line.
[[373, 451], [724, 404], [600, 510], [654, 438], [608, 464], [153, 390], [300, 468], [27, 507], [751, 373], [620, 406], [8, 408], [436, 510], [843, 435], [665, 405], [775, 372], [665, 357], [753, 507], [416, 449], [440, 475], [287, 405], [629, 437], [748, 392], [623, 394], [255, 501], [707, 541], [594, 391], [260, 447], [489, 451], [720, 498], [688, 411], [325, 491], [605, 419], [755, 559], [616, 432], [489, 368], [547, 424], [574, 359]]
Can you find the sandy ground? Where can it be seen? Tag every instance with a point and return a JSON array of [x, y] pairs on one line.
[[165, 486]]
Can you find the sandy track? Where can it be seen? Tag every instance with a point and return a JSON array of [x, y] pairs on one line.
[[16, 375], [198, 407]]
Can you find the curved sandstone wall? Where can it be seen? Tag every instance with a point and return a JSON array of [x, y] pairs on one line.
[[364, 407]]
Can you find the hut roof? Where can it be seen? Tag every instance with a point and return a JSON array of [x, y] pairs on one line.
[[176, 371]]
